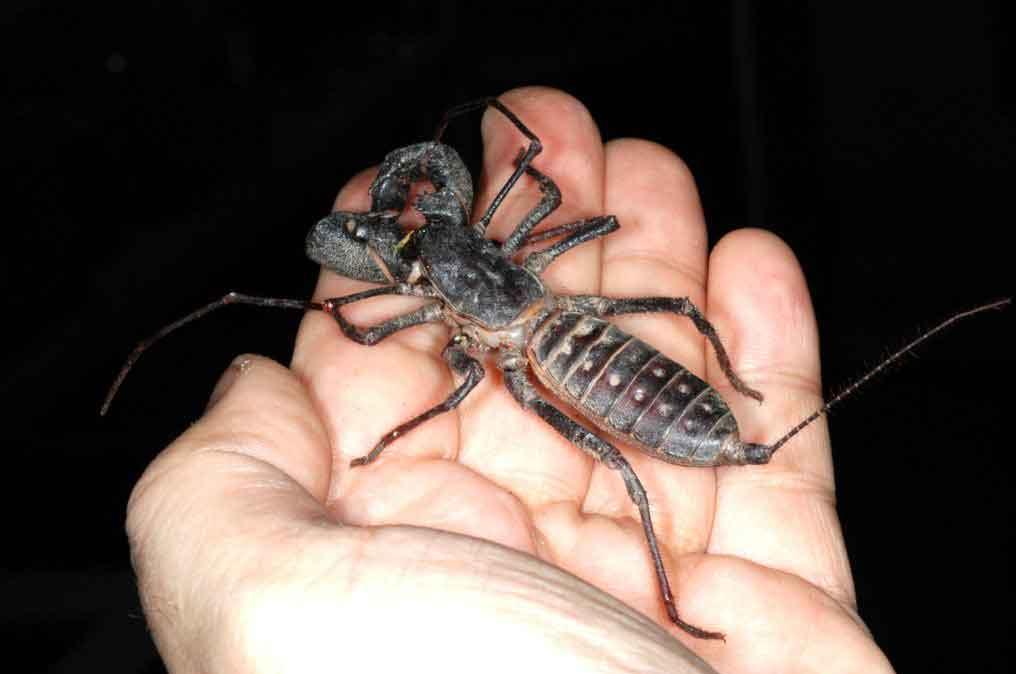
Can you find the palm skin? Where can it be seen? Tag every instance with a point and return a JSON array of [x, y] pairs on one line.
[[754, 552]]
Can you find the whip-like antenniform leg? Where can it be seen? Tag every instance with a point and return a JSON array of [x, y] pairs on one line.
[[535, 147]]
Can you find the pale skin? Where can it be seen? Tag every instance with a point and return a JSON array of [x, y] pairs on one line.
[[258, 549]]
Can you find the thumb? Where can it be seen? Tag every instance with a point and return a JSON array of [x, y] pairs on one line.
[[240, 569], [244, 481]]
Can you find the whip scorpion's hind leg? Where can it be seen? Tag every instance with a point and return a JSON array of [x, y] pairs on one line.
[[523, 390]]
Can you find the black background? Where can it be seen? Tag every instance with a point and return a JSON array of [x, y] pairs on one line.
[[163, 153]]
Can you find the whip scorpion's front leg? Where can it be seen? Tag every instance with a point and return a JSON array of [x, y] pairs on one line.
[[463, 364]]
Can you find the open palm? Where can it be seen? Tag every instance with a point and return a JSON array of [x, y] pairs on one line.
[[754, 552]]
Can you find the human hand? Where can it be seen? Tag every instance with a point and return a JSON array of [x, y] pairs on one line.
[[259, 549]]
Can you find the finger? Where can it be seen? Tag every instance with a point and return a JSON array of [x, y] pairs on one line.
[[261, 411], [572, 157], [511, 446], [659, 250], [363, 392], [782, 514], [777, 622]]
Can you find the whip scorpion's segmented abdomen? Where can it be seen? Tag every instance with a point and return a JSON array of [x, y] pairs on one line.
[[633, 391]]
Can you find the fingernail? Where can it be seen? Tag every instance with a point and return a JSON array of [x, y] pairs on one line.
[[239, 365]]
